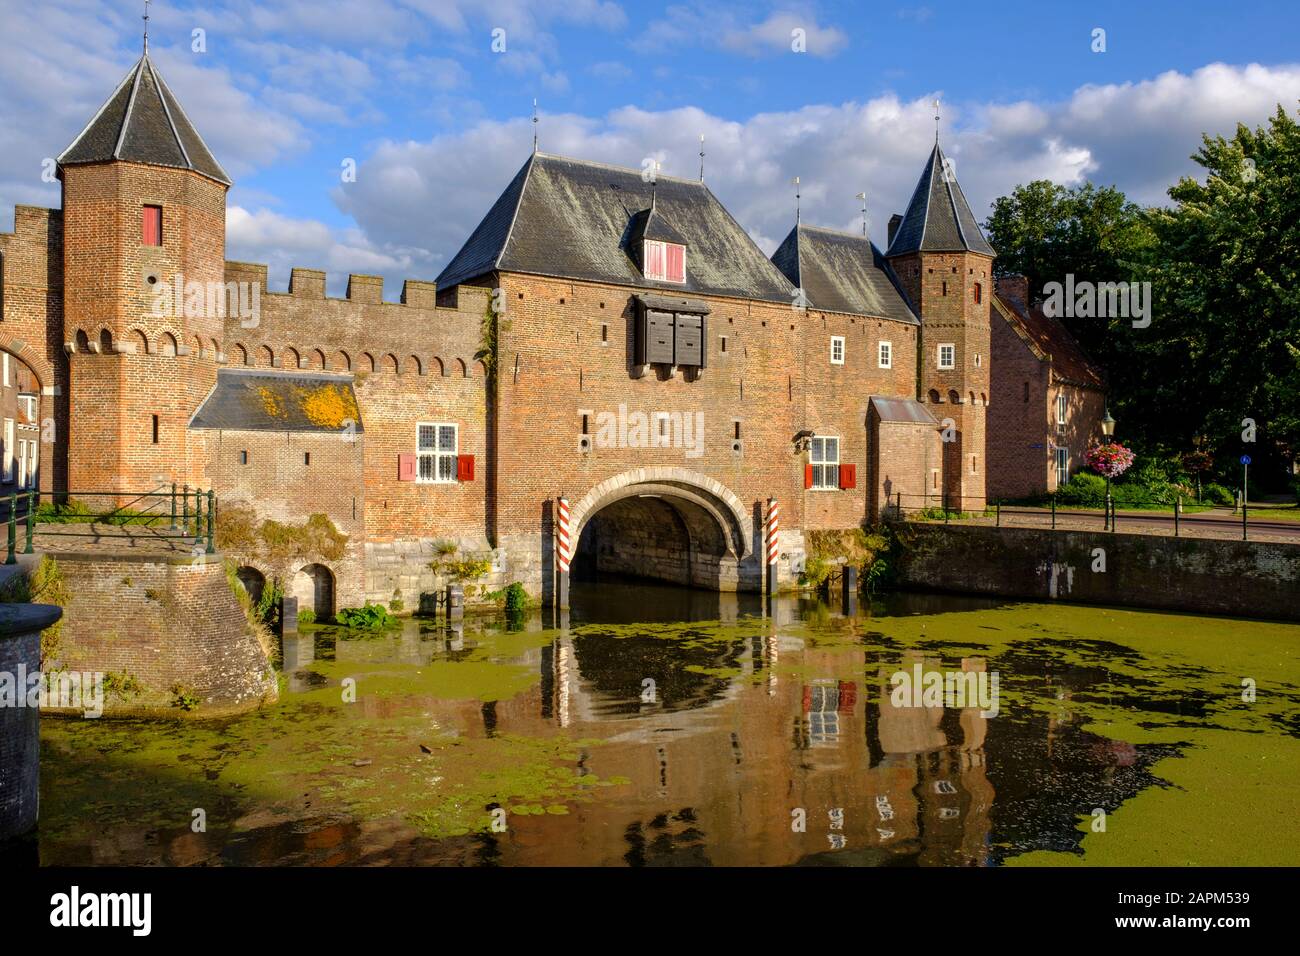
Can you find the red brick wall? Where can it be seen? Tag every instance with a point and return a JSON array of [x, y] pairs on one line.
[[1018, 417], [31, 324]]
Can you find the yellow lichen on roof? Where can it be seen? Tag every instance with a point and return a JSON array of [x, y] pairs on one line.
[[271, 402], [328, 405]]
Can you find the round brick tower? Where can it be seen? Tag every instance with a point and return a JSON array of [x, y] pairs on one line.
[[144, 206], [946, 267]]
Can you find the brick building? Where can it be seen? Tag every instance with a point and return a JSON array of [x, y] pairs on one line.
[[618, 343], [1051, 397]]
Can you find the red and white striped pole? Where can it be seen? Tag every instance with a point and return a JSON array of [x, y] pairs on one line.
[[773, 550], [563, 551]]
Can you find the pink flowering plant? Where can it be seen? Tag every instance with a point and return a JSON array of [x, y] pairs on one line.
[[1109, 460]]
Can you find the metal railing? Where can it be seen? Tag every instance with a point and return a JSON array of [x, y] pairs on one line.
[[946, 507], [180, 513]]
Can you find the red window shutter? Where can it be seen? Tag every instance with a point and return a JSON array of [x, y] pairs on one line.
[[848, 476], [465, 468], [654, 259], [848, 696], [676, 263], [807, 476], [151, 226], [406, 466]]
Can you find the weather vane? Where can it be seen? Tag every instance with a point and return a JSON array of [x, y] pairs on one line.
[[146, 26], [796, 200], [863, 197], [936, 121], [701, 157], [534, 124]]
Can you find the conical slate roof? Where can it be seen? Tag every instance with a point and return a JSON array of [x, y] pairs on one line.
[[142, 122], [938, 219]]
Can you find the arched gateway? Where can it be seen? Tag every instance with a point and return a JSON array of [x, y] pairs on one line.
[[669, 524]]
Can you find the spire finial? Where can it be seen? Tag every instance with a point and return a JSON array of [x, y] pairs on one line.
[[146, 27], [701, 157], [936, 122], [654, 183], [534, 125], [863, 197], [796, 200]]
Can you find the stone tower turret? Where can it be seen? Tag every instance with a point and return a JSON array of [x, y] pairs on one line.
[[946, 266], [144, 206]]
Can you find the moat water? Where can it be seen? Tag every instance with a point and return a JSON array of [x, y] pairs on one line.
[[663, 727]]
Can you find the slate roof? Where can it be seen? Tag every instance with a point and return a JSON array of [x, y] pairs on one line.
[[842, 272], [142, 122], [938, 218], [902, 410], [259, 400], [1052, 339], [575, 219]]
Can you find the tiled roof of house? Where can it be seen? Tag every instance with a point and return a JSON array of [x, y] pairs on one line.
[[142, 122], [1050, 338], [938, 218], [842, 272], [258, 400], [575, 220]]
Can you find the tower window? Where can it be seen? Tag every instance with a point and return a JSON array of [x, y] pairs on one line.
[[306, 458], [155, 429], [886, 355], [979, 293], [837, 350], [948, 355], [604, 331], [151, 226], [945, 288], [243, 458]]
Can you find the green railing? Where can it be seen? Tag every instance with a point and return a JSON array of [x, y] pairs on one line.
[[178, 514]]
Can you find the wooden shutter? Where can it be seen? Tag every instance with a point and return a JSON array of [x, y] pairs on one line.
[[848, 476], [659, 337], [689, 342], [151, 226], [807, 476], [464, 467], [676, 271], [406, 466]]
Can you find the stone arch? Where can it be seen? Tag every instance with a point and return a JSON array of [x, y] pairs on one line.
[[391, 365], [690, 485], [198, 346], [167, 345], [972, 398], [416, 365], [666, 523], [252, 580], [266, 357], [343, 361], [141, 341], [291, 358], [105, 341], [984, 399], [318, 359], [461, 368], [313, 586]]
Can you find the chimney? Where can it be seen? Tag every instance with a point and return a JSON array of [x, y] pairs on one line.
[[1014, 287], [894, 222]]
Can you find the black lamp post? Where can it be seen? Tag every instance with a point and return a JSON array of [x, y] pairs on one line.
[[1108, 430]]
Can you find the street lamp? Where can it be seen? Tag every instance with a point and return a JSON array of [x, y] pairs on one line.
[[1108, 430]]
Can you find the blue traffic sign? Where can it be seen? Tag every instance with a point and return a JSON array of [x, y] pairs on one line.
[[1245, 459]]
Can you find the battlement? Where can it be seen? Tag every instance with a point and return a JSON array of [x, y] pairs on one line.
[[310, 284], [34, 221]]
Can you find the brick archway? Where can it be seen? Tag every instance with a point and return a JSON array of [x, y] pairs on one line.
[[698, 489]]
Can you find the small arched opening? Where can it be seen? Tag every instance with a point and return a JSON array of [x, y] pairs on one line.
[[313, 586]]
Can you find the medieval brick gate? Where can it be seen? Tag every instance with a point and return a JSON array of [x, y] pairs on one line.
[[667, 524]]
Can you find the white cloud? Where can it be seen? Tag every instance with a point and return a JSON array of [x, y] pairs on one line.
[[707, 24]]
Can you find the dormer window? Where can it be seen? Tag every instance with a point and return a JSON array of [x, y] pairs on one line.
[[665, 261]]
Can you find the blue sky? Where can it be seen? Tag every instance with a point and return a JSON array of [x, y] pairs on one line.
[[437, 121]]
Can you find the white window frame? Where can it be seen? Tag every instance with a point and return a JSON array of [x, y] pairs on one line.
[[885, 354], [823, 464], [28, 405], [952, 358], [978, 360], [837, 345], [33, 458], [434, 455], [1061, 405], [1062, 465], [9, 450], [22, 463], [6, 369], [663, 276]]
